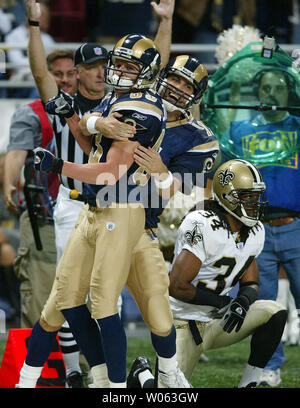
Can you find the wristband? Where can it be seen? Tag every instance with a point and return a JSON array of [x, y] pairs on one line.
[[57, 165], [165, 183], [90, 124], [249, 292], [207, 297], [33, 23]]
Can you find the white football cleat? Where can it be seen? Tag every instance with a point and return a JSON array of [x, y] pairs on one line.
[[270, 378], [173, 379]]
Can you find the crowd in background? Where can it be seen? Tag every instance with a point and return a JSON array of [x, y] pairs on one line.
[[194, 22]]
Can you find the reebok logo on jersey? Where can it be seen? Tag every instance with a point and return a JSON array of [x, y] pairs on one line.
[[110, 226], [139, 116]]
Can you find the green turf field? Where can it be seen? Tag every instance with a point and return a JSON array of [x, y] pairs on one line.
[[224, 368]]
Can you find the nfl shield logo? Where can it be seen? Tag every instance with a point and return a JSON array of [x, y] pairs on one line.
[[110, 226], [97, 50]]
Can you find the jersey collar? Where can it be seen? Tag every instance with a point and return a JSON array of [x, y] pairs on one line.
[[180, 122]]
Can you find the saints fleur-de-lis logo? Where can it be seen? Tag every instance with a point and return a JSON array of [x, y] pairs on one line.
[[225, 176], [193, 237]]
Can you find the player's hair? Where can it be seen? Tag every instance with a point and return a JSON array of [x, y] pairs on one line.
[[58, 54], [213, 205]]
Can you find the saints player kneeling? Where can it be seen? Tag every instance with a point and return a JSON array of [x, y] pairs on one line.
[[216, 249]]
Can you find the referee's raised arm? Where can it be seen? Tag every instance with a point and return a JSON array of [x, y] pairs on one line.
[[45, 82]]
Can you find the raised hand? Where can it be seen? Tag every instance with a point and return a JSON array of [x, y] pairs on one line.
[[164, 9], [34, 10]]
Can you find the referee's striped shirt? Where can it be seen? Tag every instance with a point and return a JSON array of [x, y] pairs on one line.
[[66, 146]]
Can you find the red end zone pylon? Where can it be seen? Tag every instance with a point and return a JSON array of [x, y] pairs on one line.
[[53, 373]]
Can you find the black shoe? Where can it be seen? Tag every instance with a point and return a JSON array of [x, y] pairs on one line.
[[139, 365], [75, 380], [250, 385]]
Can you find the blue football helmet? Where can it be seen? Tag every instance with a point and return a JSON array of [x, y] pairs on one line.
[[138, 49], [193, 71]]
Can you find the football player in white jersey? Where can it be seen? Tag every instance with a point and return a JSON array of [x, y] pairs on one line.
[[216, 249]]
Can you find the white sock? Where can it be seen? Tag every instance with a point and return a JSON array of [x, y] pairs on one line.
[[251, 374], [100, 376], [145, 376], [29, 376], [167, 364], [72, 362], [118, 385]]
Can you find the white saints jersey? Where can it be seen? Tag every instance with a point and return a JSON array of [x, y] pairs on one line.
[[224, 258]]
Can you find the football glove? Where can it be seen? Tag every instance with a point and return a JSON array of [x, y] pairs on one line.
[[219, 313], [60, 105], [235, 315], [45, 161]]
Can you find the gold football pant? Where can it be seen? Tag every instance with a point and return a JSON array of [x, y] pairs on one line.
[[97, 258], [147, 279], [214, 336], [148, 282]]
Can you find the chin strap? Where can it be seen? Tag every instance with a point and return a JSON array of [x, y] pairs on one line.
[[250, 222], [122, 83], [172, 108]]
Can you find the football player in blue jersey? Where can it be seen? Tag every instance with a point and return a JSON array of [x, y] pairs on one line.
[[188, 150], [132, 68]]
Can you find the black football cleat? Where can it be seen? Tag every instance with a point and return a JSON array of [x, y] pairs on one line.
[[139, 365], [75, 380]]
